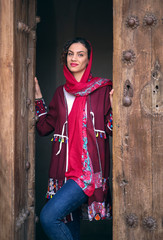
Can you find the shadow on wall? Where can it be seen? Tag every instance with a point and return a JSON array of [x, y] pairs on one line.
[[60, 21]]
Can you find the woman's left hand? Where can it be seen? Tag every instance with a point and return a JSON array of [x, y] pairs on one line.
[[111, 96]]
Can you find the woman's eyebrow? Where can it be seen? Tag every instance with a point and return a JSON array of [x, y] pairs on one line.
[[81, 51], [77, 52]]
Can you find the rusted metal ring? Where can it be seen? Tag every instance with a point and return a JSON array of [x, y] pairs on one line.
[[132, 220], [132, 22], [149, 20], [150, 223], [128, 57]]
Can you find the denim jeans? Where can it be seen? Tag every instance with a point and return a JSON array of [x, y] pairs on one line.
[[66, 200]]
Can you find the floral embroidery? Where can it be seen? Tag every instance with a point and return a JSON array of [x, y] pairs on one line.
[[41, 108], [98, 179], [92, 87], [98, 211], [53, 187], [86, 180]]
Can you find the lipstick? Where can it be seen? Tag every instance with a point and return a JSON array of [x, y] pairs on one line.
[[73, 64]]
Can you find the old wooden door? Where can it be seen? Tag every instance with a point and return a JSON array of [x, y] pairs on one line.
[[138, 120], [17, 64]]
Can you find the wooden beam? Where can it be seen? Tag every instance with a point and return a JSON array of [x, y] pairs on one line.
[[7, 120]]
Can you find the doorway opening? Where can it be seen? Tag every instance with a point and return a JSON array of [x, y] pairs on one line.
[[61, 21]]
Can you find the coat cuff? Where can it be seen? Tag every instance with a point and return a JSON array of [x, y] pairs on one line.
[[40, 106]]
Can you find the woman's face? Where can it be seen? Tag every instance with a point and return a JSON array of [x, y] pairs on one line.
[[77, 58]]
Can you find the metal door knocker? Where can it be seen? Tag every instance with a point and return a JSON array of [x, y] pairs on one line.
[[127, 93]]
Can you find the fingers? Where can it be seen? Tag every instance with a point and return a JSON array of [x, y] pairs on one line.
[[111, 96], [38, 93], [36, 80], [111, 92]]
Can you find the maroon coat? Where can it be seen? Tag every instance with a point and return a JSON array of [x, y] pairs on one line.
[[99, 103]]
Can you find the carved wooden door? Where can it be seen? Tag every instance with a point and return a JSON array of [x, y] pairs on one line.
[[17, 67], [138, 120]]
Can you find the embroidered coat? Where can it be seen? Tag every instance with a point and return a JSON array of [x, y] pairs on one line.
[[55, 120]]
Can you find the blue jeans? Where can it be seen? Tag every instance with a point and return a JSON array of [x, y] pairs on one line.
[[68, 199]]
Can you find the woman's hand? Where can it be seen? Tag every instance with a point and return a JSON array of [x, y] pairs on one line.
[[111, 96], [38, 93]]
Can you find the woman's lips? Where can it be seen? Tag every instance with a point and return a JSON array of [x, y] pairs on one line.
[[74, 64]]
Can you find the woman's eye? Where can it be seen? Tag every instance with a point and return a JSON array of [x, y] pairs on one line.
[[69, 54], [80, 55]]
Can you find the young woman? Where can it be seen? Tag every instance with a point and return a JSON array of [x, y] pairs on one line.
[[81, 119]]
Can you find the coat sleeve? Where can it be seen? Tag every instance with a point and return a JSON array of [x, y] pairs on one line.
[[46, 120], [108, 112]]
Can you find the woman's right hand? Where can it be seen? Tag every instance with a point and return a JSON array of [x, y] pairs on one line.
[[38, 93]]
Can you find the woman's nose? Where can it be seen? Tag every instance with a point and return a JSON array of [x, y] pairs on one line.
[[74, 57]]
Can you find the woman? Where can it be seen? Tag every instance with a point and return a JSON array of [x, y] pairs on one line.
[[80, 116]]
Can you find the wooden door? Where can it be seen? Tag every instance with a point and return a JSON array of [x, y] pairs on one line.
[[138, 120], [17, 67]]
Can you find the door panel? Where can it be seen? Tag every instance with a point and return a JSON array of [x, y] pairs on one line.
[[138, 120], [24, 99], [17, 58]]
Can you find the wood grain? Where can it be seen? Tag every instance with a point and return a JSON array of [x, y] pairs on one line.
[[137, 137], [7, 132], [16, 138], [31, 118]]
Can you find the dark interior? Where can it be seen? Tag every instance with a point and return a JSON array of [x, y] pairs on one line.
[[60, 21]]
